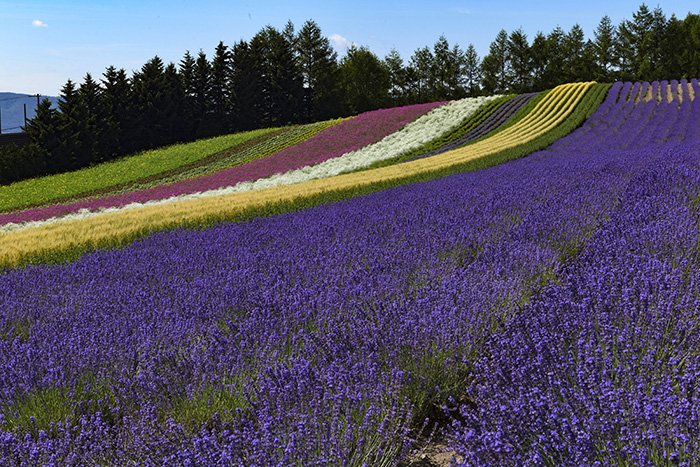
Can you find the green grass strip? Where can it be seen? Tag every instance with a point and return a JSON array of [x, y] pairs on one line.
[[46, 189], [234, 157], [588, 104]]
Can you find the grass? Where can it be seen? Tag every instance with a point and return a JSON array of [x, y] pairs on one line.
[[46, 189], [150, 164], [559, 113], [43, 408]]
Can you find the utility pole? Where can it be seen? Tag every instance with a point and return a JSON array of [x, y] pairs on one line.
[[0, 121], [25, 117], [37, 101]]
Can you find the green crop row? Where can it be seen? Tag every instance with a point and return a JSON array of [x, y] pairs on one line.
[[52, 188], [240, 155]]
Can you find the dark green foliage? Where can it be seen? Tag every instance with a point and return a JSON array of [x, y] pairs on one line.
[[318, 64], [604, 49], [365, 81], [280, 87], [520, 78], [496, 65]]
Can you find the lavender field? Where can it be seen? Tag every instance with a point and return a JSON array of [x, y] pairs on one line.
[[543, 311]]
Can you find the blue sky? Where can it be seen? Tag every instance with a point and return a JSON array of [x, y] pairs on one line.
[[44, 43]]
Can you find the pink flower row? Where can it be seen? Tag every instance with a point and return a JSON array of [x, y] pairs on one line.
[[348, 135]]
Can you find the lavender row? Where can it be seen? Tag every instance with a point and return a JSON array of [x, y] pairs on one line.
[[603, 368], [599, 369], [500, 116]]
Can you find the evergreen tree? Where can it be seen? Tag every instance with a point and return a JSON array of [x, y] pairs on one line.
[[220, 90], [575, 67], [690, 61], [174, 99], [421, 66], [118, 114], [71, 128], [45, 142], [496, 65], [202, 96], [246, 82], [189, 104], [150, 105], [604, 50], [397, 78], [281, 82], [471, 76], [318, 65], [539, 59], [445, 71], [365, 81], [520, 77], [93, 127], [556, 59], [637, 44]]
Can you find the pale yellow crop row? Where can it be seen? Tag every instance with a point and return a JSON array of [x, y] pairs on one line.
[[108, 228]]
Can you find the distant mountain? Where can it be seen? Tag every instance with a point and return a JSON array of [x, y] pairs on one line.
[[12, 110]]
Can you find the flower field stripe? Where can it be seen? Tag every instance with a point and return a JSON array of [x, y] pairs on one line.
[[336, 140], [118, 228], [457, 132], [276, 180], [346, 163], [61, 186], [266, 145], [429, 127]]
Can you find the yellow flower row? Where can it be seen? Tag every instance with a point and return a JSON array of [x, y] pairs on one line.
[[117, 227]]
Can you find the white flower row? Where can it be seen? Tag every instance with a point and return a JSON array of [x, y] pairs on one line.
[[428, 127]]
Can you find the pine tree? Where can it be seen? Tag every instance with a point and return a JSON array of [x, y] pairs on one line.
[[45, 140], [220, 90], [93, 128], [520, 76], [71, 128], [397, 78], [556, 59], [421, 65], [318, 65], [539, 55], [691, 57], [150, 105], [202, 96], [445, 71], [117, 97], [189, 104], [174, 102], [634, 46], [604, 50], [281, 82], [496, 65], [471, 71], [246, 83], [575, 68]]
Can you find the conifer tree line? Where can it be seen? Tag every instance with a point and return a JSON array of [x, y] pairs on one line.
[[289, 76]]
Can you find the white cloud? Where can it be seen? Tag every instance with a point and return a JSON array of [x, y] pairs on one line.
[[37, 23], [339, 42]]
